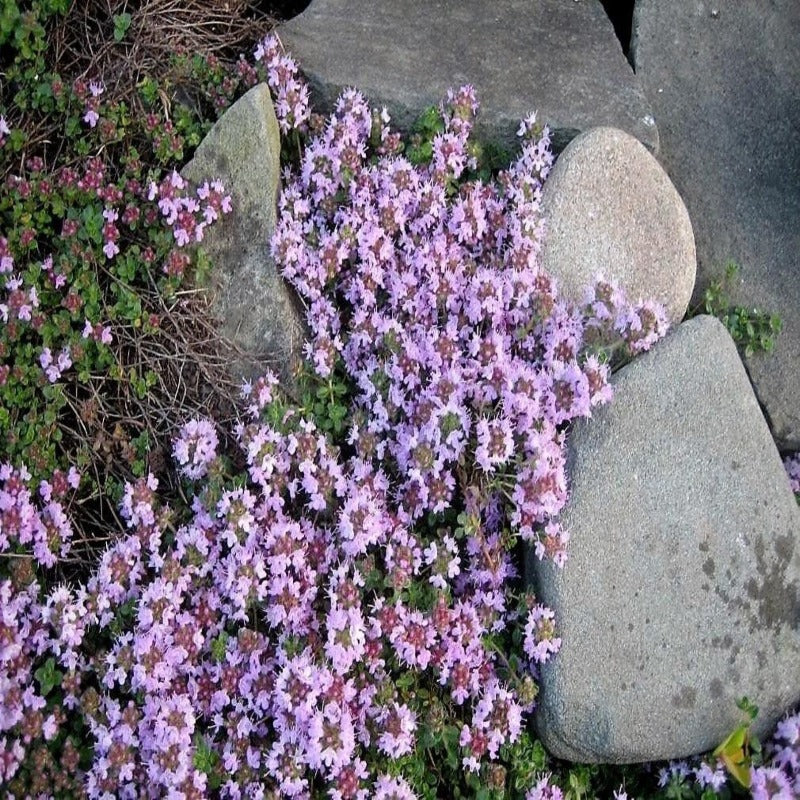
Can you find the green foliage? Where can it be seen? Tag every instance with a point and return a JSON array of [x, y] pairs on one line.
[[48, 676], [121, 24], [22, 25], [741, 749], [753, 330], [327, 403], [219, 645], [527, 759], [207, 760], [50, 213], [490, 158], [428, 125]]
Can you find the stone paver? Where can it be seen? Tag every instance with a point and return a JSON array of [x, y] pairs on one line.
[[723, 80], [558, 58]]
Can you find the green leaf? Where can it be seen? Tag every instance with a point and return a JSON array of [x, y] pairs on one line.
[[749, 708], [429, 121], [121, 24], [92, 218], [219, 646], [422, 154], [17, 139], [735, 754], [48, 676]]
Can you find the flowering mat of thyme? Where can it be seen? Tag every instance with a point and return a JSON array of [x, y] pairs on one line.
[[327, 602]]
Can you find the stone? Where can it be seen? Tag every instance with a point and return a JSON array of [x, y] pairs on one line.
[[682, 589], [610, 207], [722, 78], [559, 59], [257, 309]]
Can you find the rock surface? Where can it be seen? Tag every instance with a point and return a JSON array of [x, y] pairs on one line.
[[682, 591], [558, 58], [610, 207], [250, 297], [723, 80]]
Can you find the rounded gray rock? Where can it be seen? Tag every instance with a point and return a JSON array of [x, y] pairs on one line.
[[682, 589], [257, 309], [611, 208]]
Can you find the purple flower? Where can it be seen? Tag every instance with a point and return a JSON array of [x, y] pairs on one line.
[[495, 443], [392, 788], [498, 715], [195, 448], [540, 639], [331, 738], [769, 783], [398, 724], [715, 777], [544, 790]]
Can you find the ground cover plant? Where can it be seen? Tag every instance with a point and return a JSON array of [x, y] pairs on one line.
[[752, 329], [331, 605], [104, 347]]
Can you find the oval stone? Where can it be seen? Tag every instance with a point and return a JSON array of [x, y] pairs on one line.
[[611, 209]]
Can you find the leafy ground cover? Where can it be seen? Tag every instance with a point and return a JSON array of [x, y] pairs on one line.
[[206, 595]]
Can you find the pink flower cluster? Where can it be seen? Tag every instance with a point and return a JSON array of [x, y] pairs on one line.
[[54, 366], [91, 117], [97, 333], [458, 345], [544, 790], [272, 636], [195, 448], [6, 259], [189, 216], [257, 625], [540, 641], [289, 91], [20, 300], [27, 525], [779, 777]]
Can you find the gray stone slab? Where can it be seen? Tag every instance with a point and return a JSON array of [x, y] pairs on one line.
[[611, 208], [682, 590], [723, 78], [256, 307], [558, 58]]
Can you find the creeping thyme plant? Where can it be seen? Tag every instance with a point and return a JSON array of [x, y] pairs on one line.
[[334, 608], [98, 234]]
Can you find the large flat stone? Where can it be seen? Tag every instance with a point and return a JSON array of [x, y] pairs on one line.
[[250, 297], [682, 590], [558, 58], [723, 80], [610, 207]]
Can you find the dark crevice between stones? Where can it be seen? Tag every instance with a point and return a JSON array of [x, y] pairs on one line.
[[620, 12], [764, 410], [283, 9]]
